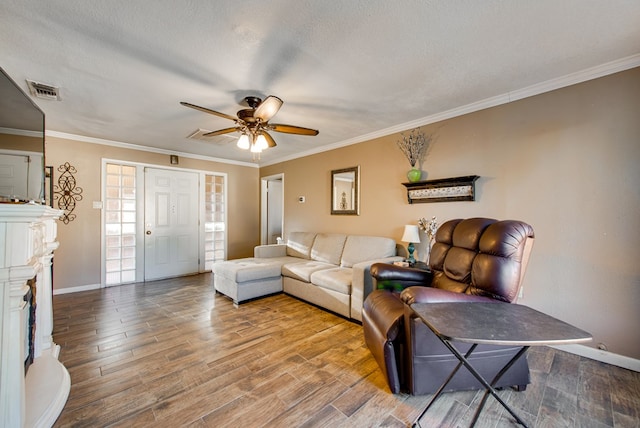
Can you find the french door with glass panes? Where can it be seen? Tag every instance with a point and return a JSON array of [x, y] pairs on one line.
[[125, 202]]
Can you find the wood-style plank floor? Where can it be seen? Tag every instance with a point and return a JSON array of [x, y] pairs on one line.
[[172, 353]]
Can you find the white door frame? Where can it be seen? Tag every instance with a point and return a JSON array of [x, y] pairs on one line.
[[264, 208], [140, 166]]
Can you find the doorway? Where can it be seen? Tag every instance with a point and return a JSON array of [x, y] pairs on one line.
[[272, 209], [160, 222]]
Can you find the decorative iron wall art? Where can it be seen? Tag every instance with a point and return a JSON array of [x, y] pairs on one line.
[[66, 192]]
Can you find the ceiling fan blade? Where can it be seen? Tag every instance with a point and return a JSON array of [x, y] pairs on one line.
[[220, 132], [206, 110], [268, 108], [270, 141], [290, 129]]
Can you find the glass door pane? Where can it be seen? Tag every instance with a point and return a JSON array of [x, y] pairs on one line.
[[214, 223], [120, 224]]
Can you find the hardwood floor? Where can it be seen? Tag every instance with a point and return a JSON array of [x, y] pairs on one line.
[[172, 353]]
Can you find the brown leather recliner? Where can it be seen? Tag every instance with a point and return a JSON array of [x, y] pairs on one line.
[[476, 259]]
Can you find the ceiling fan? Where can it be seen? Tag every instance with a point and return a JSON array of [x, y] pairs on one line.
[[253, 123]]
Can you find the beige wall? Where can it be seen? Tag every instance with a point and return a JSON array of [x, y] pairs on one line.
[[20, 142], [566, 162], [77, 261]]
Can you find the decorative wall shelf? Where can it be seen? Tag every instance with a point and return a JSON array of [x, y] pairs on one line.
[[442, 190]]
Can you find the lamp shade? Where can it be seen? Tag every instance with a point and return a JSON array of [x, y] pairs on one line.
[[243, 142], [255, 148], [261, 142], [411, 234]]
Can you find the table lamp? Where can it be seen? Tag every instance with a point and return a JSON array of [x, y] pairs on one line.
[[411, 235]]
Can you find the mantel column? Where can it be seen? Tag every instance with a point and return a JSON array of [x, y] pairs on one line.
[[12, 380], [44, 310]]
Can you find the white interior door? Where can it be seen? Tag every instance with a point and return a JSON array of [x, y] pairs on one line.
[[171, 223], [271, 209], [274, 211]]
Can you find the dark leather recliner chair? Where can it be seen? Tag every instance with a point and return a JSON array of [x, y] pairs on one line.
[[476, 259]]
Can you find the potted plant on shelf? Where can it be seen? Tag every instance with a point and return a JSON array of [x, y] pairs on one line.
[[415, 146]]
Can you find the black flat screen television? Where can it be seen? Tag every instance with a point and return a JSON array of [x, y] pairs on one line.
[[22, 172]]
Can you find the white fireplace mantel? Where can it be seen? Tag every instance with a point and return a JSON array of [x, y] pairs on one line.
[[27, 241]]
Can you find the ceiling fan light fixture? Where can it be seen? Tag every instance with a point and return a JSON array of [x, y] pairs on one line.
[[261, 142], [253, 124], [255, 148], [243, 142]]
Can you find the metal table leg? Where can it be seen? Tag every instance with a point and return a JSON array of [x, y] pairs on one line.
[[515, 358], [416, 423], [489, 389]]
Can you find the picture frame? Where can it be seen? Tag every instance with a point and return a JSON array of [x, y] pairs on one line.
[[345, 191]]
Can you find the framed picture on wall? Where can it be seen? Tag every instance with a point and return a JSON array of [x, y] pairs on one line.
[[345, 191]]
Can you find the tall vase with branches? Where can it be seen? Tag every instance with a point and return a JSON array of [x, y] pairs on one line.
[[429, 227], [415, 146]]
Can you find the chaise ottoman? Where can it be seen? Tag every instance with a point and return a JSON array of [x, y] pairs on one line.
[[246, 279]]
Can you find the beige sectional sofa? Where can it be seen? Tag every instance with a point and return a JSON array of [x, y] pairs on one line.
[[328, 270]]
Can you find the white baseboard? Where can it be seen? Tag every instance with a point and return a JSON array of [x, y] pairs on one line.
[[88, 287], [603, 356]]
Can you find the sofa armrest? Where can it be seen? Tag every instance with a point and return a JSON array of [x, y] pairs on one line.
[[270, 251], [362, 283], [398, 278]]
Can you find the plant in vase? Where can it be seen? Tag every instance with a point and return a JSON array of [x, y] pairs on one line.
[[415, 147], [429, 228]]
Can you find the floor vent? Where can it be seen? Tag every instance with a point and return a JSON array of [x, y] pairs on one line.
[[42, 90]]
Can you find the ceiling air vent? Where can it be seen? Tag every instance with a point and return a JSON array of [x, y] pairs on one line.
[[42, 90], [198, 134]]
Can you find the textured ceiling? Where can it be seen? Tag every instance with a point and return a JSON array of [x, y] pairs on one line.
[[350, 69]]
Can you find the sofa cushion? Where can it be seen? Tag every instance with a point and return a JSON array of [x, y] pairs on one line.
[[299, 244], [302, 270], [362, 248], [328, 247], [337, 279]]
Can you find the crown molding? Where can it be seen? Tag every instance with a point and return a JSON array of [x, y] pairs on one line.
[[130, 146], [518, 94], [515, 95]]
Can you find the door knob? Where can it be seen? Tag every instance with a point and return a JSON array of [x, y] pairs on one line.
[[148, 232]]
